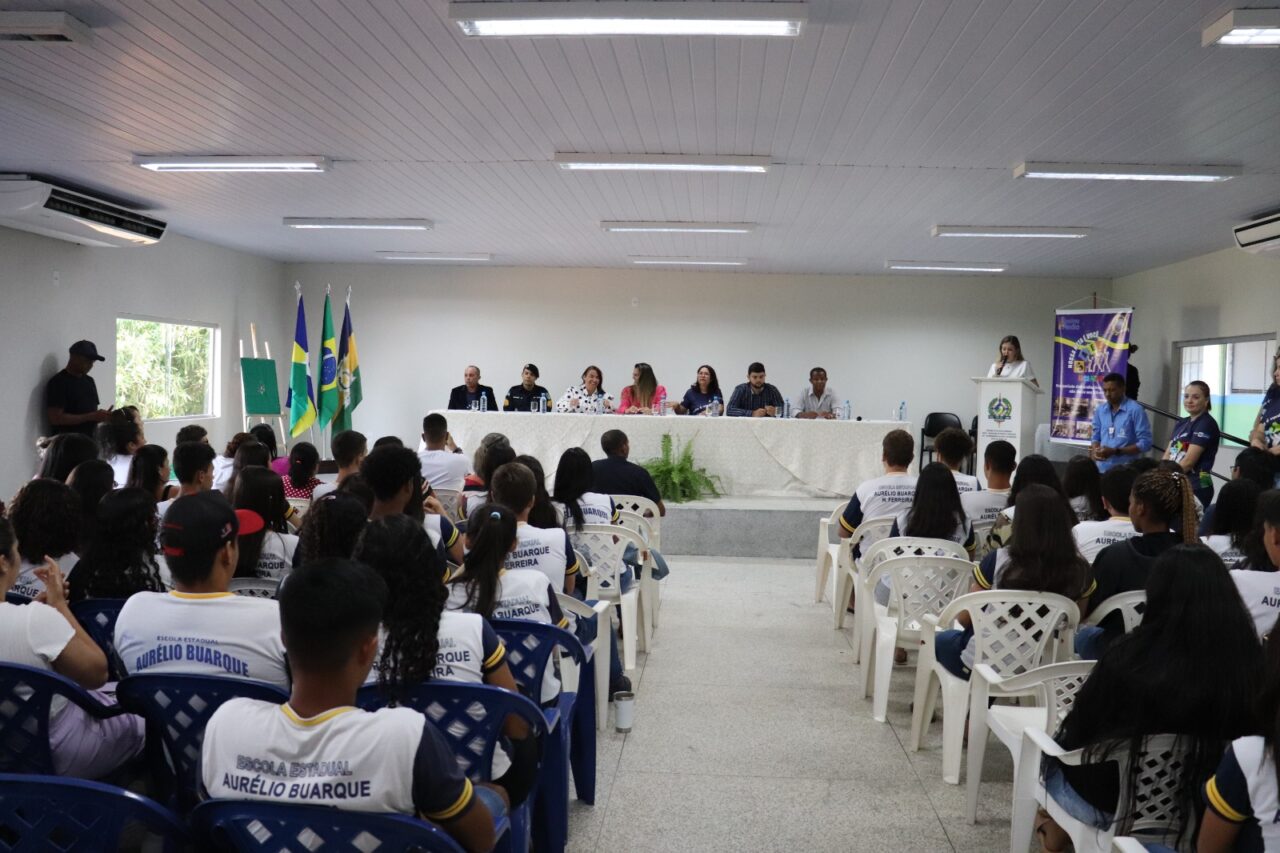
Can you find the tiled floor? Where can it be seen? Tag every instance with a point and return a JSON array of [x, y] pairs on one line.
[[750, 735]]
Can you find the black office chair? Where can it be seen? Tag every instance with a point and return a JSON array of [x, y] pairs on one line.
[[934, 423], [973, 454]]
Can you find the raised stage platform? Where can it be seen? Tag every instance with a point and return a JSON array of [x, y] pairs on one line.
[[745, 527]]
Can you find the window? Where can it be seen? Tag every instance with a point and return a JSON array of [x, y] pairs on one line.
[[166, 369], [1238, 371]]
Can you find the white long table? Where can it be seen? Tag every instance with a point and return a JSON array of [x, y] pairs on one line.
[[751, 456]]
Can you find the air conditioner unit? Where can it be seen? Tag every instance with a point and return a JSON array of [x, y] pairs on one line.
[[1260, 235], [44, 208]]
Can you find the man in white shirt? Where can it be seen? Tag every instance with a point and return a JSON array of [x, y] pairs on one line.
[[817, 400], [193, 466], [953, 446], [1093, 536], [444, 465], [200, 627], [998, 462], [349, 449], [889, 494]]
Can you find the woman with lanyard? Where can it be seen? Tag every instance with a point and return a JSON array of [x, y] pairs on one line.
[[1195, 439], [1266, 429]]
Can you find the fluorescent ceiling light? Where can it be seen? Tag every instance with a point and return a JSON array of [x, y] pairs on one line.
[[614, 18], [947, 266], [687, 262], [1008, 231], [42, 28], [221, 163], [434, 256], [660, 163], [1244, 28], [678, 227], [1125, 172], [360, 224]]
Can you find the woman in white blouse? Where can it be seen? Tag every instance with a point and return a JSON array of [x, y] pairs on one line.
[[589, 397], [1011, 364]]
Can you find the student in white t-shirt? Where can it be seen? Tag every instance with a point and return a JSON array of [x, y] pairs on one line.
[[572, 491], [193, 466], [1083, 486], [392, 760], [225, 462], [200, 628], [45, 634], [269, 552], [953, 446], [46, 519], [120, 436], [548, 551], [1232, 520], [1033, 468], [1092, 536], [998, 461], [1259, 583], [891, 492], [444, 465], [349, 449], [421, 641], [485, 587], [394, 476]]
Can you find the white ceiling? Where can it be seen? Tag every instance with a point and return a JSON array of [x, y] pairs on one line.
[[885, 118]]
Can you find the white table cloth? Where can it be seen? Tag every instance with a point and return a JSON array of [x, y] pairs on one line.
[[751, 456]]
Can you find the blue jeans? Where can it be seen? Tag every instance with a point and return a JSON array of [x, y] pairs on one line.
[[1057, 787], [948, 646], [492, 801], [632, 558], [1090, 642]]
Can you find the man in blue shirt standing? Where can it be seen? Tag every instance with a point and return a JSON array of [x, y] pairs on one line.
[[1121, 431]]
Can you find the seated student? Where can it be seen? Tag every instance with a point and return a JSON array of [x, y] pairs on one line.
[[575, 494], [494, 452], [269, 552], [421, 641], [396, 479], [1256, 577], [1158, 497], [998, 462], [393, 760], [443, 463], [63, 453], [484, 586], [266, 436], [1083, 485], [1043, 559], [891, 493], [45, 515], [1032, 469], [936, 511], [548, 551], [91, 481], [191, 432], [615, 474], [193, 466], [300, 481], [250, 453], [119, 437], [121, 558], [222, 465], [1233, 521], [45, 634], [149, 471], [387, 441], [1092, 536], [331, 527], [544, 513], [349, 449], [953, 446], [1251, 464], [1143, 685], [222, 633]]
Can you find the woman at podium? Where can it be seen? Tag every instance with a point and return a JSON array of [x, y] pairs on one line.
[[1011, 364]]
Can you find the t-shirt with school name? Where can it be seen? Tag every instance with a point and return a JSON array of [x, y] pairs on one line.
[[211, 633], [1093, 536], [880, 497], [469, 649], [966, 482], [1260, 592], [1243, 791], [985, 505], [29, 586], [1221, 545], [546, 551], [391, 760], [596, 509], [276, 559]]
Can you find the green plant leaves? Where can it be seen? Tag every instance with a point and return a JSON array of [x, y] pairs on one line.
[[678, 479]]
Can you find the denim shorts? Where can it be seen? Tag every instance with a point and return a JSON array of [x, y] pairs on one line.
[[1057, 787]]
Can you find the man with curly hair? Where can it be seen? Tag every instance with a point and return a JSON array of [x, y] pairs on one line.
[[45, 515]]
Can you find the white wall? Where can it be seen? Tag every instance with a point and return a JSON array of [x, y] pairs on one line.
[[53, 293], [880, 338]]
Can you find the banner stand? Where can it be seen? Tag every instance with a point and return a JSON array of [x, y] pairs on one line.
[[1088, 344]]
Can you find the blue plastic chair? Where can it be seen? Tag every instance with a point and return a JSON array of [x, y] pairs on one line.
[[471, 717], [41, 813], [246, 825], [98, 618], [572, 724], [25, 696], [177, 708]]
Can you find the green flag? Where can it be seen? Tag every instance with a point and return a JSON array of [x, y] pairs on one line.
[[328, 397], [349, 390]]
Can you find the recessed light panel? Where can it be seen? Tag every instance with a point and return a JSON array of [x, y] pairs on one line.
[[236, 163], [947, 266], [1009, 231], [1244, 28], [359, 224], [1125, 172], [660, 163], [614, 18], [678, 227], [460, 257], [646, 260]]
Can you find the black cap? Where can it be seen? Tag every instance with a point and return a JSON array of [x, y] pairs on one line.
[[87, 349], [201, 524], [532, 368]]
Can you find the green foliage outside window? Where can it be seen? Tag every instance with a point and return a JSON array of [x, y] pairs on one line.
[[165, 369]]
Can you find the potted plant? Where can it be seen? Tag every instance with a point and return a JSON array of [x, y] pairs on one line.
[[677, 478]]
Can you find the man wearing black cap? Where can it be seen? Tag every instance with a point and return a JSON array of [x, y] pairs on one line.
[[200, 627], [525, 396], [71, 397]]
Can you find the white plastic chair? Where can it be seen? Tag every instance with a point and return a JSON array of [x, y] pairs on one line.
[[1052, 690], [645, 508], [601, 547], [981, 534], [300, 506], [255, 587], [1129, 604], [869, 532], [1014, 631], [920, 585], [828, 551], [1127, 844], [1154, 814], [449, 500], [650, 586], [599, 646]]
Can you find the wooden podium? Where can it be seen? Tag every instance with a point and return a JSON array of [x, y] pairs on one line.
[[1006, 412]]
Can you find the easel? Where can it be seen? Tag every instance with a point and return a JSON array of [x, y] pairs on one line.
[[247, 420]]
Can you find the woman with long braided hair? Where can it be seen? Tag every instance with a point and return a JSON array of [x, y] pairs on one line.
[[1160, 500]]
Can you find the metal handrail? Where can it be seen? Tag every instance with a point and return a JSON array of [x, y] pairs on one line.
[[1173, 417]]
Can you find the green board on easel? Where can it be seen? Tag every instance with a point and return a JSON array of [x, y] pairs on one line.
[[261, 391]]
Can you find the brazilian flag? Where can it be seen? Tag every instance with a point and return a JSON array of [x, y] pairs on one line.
[[328, 368]]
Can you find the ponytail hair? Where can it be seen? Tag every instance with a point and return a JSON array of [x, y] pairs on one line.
[[1167, 494], [491, 532], [303, 461]]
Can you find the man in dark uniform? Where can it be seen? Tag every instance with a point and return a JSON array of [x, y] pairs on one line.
[[1131, 380], [71, 397]]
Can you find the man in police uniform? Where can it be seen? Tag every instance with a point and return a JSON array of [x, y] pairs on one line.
[[71, 397]]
